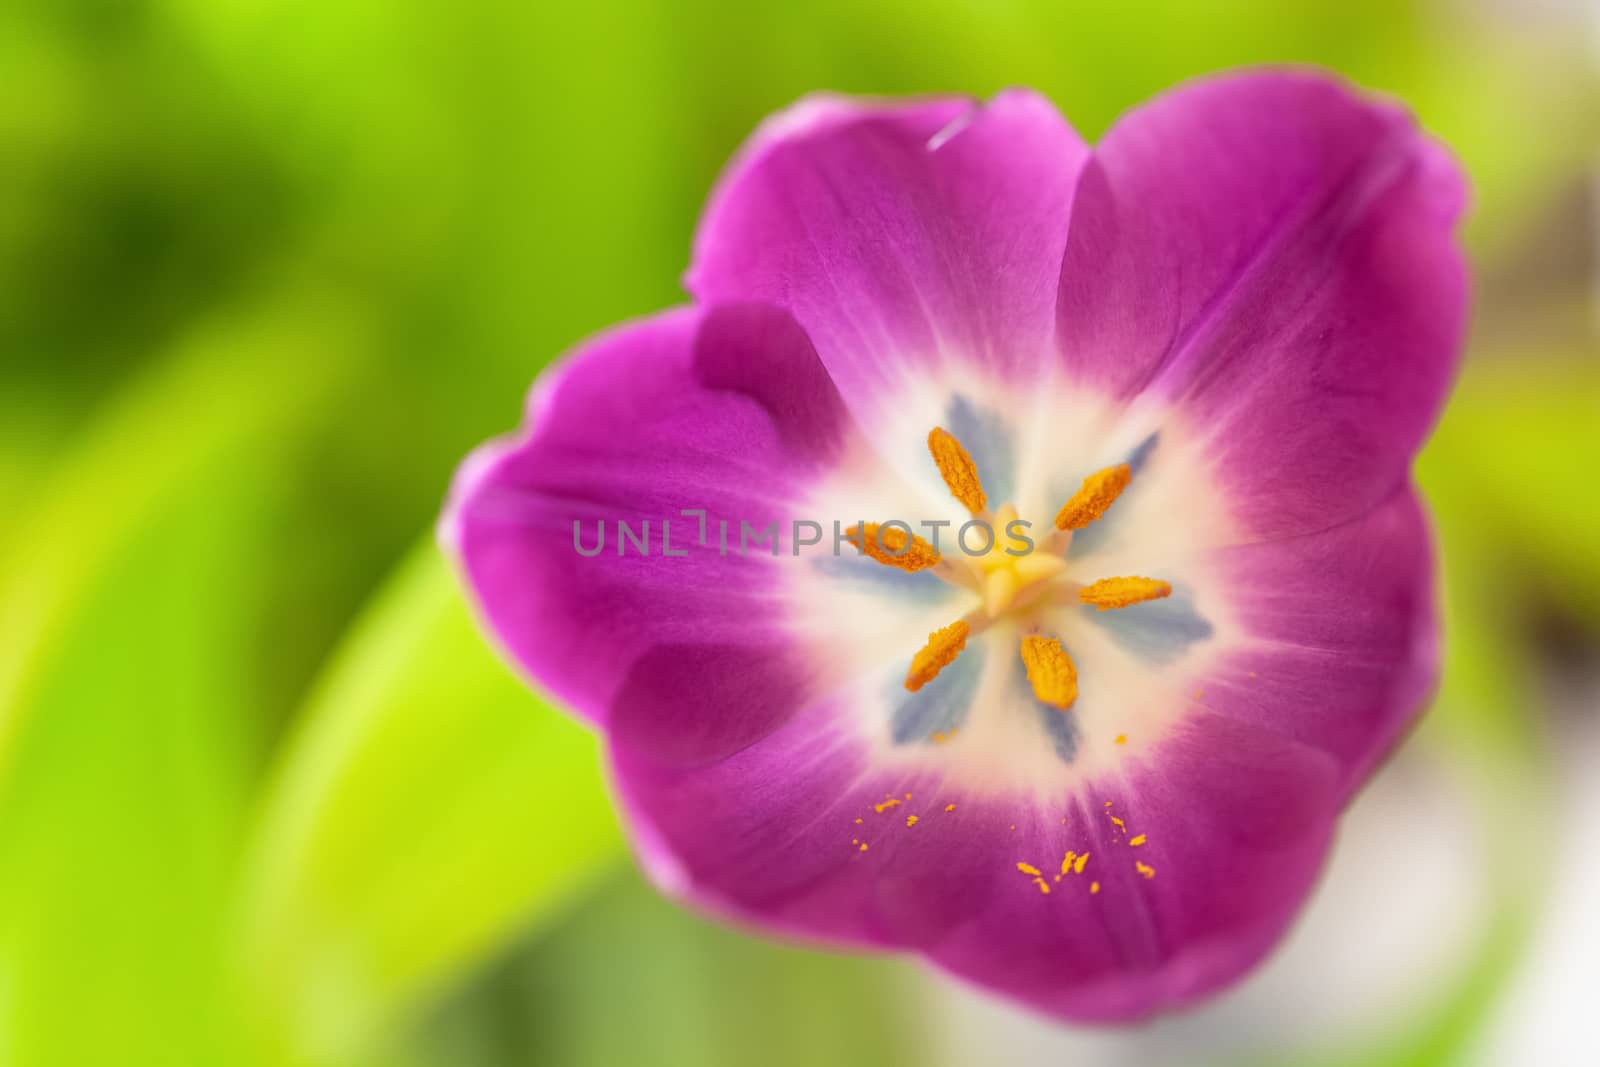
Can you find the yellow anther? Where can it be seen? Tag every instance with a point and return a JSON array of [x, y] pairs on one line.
[[1050, 671], [1099, 491], [941, 650], [893, 546], [1110, 593], [960, 473]]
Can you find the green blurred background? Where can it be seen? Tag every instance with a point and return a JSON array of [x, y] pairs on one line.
[[268, 268]]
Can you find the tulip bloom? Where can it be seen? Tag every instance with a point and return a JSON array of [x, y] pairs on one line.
[[1094, 761]]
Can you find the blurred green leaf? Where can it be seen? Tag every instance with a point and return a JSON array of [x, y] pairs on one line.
[[124, 714], [429, 807], [1512, 465], [630, 963]]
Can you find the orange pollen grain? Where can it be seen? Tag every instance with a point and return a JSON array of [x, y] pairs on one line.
[[1098, 492], [886, 805], [959, 471], [1083, 861], [1109, 593], [1137, 841], [1094, 887], [1050, 671], [911, 820], [1028, 869], [941, 650], [893, 547], [1144, 869]]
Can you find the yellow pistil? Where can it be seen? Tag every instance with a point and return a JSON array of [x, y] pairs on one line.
[[943, 647], [1003, 574], [1109, 593], [959, 471], [894, 547], [1099, 491], [1050, 671]]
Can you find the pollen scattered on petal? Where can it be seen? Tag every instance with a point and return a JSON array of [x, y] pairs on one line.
[[858, 822], [911, 820], [1098, 492], [1119, 824], [1136, 841], [893, 547], [1122, 739], [1145, 869], [956, 466], [1028, 868], [1094, 887], [1083, 861], [863, 846], [886, 805], [1110, 593], [1044, 886], [949, 807], [1050, 671], [943, 647], [1066, 862]]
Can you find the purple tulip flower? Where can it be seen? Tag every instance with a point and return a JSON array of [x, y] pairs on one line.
[[1010, 556]]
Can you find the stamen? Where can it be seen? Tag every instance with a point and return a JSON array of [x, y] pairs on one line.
[[943, 647], [1050, 671], [894, 547], [957, 468], [1110, 593], [1098, 492]]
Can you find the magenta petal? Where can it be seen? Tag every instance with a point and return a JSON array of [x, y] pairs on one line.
[[900, 233], [727, 410], [1274, 254], [1346, 636], [1235, 822]]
